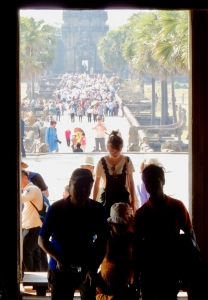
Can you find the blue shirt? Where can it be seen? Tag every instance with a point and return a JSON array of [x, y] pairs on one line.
[[71, 230]]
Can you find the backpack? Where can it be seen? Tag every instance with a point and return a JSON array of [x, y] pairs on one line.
[[43, 211]]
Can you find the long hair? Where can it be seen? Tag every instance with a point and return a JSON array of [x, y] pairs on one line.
[[115, 140]]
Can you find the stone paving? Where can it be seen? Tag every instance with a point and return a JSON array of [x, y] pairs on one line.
[[56, 168]]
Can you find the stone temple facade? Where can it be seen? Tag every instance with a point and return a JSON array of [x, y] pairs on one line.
[[81, 33]]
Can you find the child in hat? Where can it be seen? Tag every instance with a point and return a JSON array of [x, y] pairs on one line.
[[116, 272]]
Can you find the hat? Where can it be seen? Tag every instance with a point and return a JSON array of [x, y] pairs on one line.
[[80, 173], [120, 213], [24, 165], [152, 161], [88, 161]]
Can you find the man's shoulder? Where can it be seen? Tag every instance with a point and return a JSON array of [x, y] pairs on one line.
[[58, 204], [97, 205]]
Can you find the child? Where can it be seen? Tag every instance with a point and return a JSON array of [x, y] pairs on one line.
[[116, 272]]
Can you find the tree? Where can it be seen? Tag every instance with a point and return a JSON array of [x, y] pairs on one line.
[[37, 48], [110, 50]]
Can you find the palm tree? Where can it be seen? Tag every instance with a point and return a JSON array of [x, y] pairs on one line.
[[37, 48], [171, 49], [110, 50]]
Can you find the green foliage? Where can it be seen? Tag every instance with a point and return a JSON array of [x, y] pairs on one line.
[[110, 50], [37, 46], [177, 85]]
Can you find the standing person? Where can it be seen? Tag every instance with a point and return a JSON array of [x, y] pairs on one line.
[[38, 180], [74, 254], [157, 223], [122, 108], [142, 193], [78, 148], [51, 138], [72, 113], [67, 137], [94, 113], [100, 110], [116, 271], [89, 114], [100, 130], [22, 138], [116, 171], [58, 112], [88, 163], [80, 113], [83, 141], [38, 125], [31, 224], [74, 142]]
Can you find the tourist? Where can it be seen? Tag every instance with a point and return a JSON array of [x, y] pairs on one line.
[[116, 171], [67, 235], [51, 137], [116, 271], [67, 137], [142, 193], [83, 141], [78, 148], [100, 130], [72, 113], [74, 142], [38, 180], [79, 113], [31, 224], [157, 224], [89, 114]]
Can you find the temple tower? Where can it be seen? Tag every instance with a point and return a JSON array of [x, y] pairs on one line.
[[81, 33]]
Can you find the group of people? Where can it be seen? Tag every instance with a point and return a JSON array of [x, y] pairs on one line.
[[100, 240]]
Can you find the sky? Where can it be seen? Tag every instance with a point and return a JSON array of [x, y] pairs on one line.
[[115, 17]]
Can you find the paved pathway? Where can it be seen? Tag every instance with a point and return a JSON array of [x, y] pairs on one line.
[[56, 168], [112, 123]]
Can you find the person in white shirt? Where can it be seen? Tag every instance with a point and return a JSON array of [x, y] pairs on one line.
[[31, 223], [100, 130]]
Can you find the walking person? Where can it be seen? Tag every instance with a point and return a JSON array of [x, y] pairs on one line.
[[72, 113], [79, 113], [116, 172], [89, 114], [58, 112], [83, 141], [75, 255], [157, 224], [94, 113], [100, 130], [67, 137], [51, 137]]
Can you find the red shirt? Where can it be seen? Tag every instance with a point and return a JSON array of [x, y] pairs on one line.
[[67, 134]]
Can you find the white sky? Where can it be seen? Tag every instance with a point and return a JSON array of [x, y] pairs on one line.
[[115, 17]]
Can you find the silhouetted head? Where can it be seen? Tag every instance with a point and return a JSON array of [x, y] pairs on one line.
[[154, 179]]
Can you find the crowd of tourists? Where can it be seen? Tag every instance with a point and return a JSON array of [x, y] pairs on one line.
[[101, 239]]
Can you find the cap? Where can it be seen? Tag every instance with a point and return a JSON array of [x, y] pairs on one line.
[[121, 213], [88, 161], [81, 173]]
